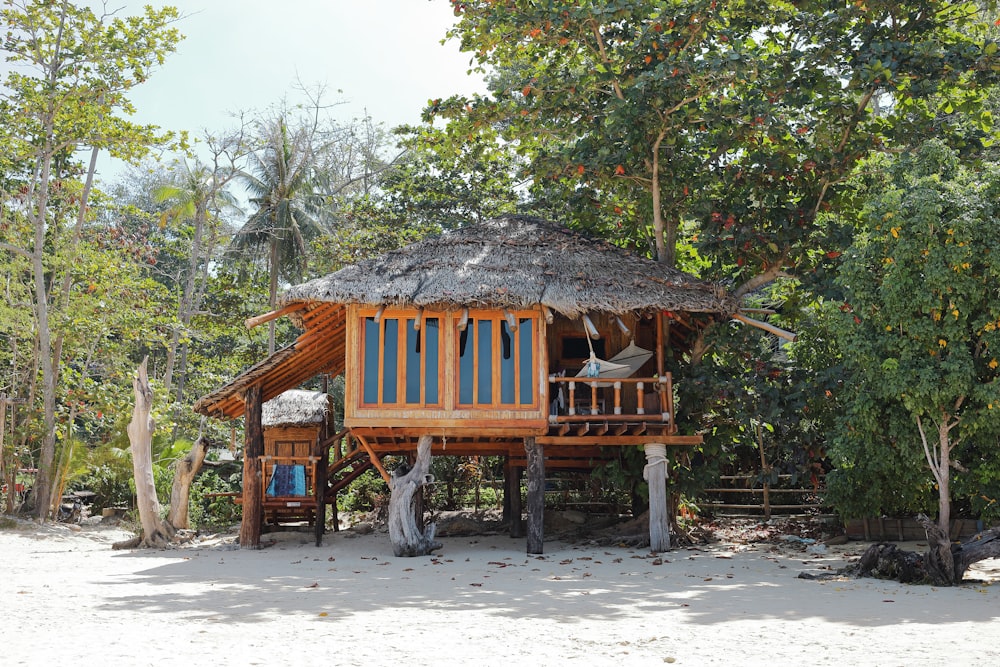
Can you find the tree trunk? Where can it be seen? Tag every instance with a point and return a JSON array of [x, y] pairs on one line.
[[407, 537], [765, 471], [140, 434], [939, 560], [185, 470], [272, 292]]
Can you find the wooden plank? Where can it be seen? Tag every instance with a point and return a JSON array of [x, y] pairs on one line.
[[614, 440], [535, 495]]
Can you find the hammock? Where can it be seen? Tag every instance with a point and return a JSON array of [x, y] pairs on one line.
[[624, 364]]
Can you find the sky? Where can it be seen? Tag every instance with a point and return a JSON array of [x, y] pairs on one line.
[[385, 56]]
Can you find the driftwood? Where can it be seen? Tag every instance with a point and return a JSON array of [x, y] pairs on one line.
[[185, 470], [943, 564], [407, 537], [155, 531]]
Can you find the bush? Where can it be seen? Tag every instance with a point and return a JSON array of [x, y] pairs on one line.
[[364, 493], [208, 511]]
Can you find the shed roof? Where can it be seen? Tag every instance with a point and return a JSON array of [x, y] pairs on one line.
[[296, 407]]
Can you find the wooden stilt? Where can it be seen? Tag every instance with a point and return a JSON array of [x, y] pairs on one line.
[[655, 474], [535, 495], [505, 515], [513, 491], [253, 491]]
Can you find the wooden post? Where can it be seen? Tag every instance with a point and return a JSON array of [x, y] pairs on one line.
[[535, 495], [659, 344], [320, 481], [253, 449], [655, 474], [513, 492]]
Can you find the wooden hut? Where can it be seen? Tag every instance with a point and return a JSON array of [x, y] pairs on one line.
[[295, 425], [500, 338]]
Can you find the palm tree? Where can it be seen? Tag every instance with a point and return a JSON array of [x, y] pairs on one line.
[[197, 194], [278, 179]]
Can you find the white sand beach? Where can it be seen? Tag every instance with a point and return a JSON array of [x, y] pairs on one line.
[[69, 599]]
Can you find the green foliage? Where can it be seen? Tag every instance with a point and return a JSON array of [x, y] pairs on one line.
[[364, 494], [920, 330], [744, 116], [461, 482], [109, 475], [221, 511]]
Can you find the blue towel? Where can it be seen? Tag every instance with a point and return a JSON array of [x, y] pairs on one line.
[[287, 480]]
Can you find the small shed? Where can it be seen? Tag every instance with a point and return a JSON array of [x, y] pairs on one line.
[[514, 337], [293, 467]]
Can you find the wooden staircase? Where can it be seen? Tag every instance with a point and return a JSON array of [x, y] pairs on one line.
[[348, 462]]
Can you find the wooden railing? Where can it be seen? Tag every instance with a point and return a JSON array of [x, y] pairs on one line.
[[588, 398]]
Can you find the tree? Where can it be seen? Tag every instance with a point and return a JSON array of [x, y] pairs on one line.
[[437, 181], [748, 117], [197, 196], [920, 330], [737, 124], [71, 70], [286, 214]]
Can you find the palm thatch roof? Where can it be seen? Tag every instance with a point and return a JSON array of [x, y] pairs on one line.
[[515, 262], [296, 407]]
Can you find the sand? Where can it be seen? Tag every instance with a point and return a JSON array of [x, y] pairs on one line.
[[68, 599]]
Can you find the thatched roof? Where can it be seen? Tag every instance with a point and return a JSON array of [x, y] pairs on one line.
[[295, 407], [515, 262]]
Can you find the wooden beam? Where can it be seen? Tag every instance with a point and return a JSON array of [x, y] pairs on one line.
[[621, 325], [588, 325], [770, 328], [375, 460], [273, 315], [463, 320], [609, 440], [547, 313]]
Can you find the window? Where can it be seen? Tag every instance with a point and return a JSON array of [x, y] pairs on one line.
[[401, 362], [496, 363]]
